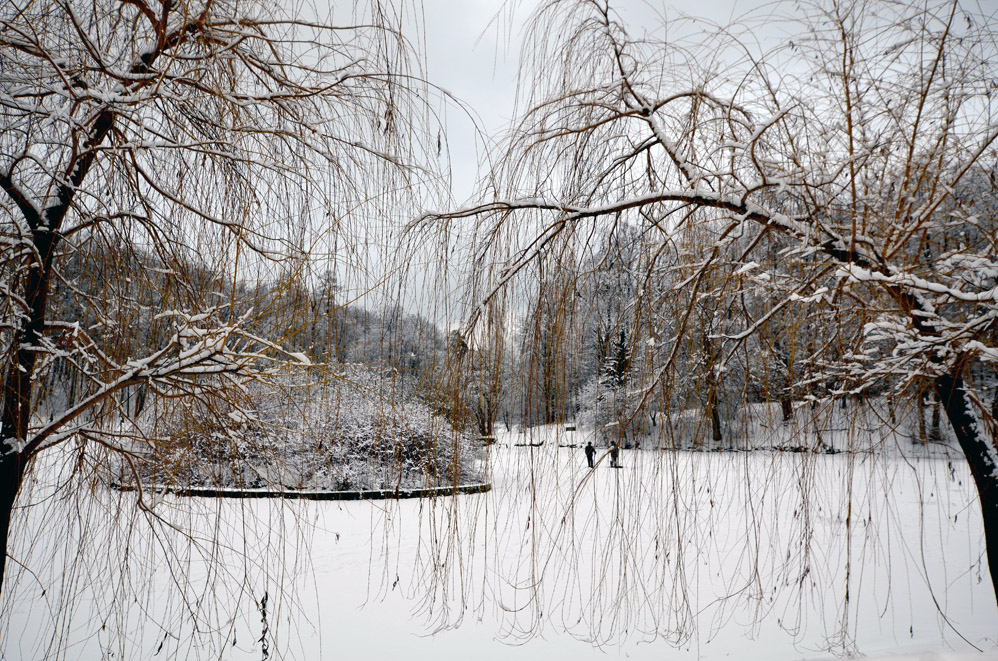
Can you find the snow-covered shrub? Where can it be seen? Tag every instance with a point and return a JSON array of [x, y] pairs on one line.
[[345, 429]]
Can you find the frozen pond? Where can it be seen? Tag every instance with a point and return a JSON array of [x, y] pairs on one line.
[[760, 555]]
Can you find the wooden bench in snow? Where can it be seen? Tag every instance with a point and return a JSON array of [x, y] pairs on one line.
[[373, 494]]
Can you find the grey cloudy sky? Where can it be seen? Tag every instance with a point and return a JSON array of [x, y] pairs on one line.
[[472, 50], [473, 47]]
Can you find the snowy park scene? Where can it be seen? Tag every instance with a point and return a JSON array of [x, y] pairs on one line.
[[534, 329]]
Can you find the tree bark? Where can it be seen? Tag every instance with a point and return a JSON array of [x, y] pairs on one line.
[[923, 439], [935, 435], [787, 408], [980, 452], [712, 386], [12, 467], [715, 417]]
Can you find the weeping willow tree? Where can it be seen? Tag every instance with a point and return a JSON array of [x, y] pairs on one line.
[[812, 226], [691, 229], [173, 176]]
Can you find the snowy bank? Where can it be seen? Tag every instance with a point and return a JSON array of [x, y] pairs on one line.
[[305, 494]]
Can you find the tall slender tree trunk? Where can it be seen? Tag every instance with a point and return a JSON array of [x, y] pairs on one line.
[[982, 456], [994, 405], [786, 393], [712, 387], [923, 439]]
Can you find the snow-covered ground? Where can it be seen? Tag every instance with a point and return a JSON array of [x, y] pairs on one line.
[[678, 555]]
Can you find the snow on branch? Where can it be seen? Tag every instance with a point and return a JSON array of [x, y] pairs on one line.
[[909, 281], [187, 364]]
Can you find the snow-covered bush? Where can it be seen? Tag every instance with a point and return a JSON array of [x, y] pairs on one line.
[[344, 429]]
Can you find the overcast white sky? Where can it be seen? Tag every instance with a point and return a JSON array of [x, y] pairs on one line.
[[472, 48], [472, 51]]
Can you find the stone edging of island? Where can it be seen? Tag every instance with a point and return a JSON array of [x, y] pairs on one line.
[[372, 494]]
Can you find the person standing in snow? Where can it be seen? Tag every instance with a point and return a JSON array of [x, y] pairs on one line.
[[615, 455], [590, 454]]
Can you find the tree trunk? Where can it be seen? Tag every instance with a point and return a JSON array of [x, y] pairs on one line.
[[715, 418], [712, 386], [787, 407], [935, 435], [11, 474], [980, 452], [18, 385], [921, 419]]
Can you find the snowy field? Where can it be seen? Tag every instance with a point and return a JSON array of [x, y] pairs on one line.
[[678, 555]]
